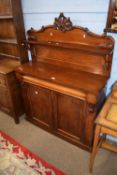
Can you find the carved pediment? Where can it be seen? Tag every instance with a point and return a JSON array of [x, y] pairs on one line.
[[62, 23]]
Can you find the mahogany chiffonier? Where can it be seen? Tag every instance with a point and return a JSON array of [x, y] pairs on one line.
[[63, 85], [12, 53]]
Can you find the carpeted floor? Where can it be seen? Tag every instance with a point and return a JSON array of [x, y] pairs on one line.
[[65, 156]]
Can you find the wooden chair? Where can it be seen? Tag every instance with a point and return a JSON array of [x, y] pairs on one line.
[[106, 124]]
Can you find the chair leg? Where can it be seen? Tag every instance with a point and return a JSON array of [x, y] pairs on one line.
[[95, 146]]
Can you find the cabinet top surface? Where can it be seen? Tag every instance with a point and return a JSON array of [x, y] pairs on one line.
[[8, 65], [75, 79]]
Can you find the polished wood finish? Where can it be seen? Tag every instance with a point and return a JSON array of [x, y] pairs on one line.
[[63, 85], [40, 99], [69, 109], [4, 32], [105, 126], [12, 54], [10, 95], [5, 8]]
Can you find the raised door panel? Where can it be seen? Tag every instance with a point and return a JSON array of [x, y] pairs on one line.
[[70, 112], [41, 106]]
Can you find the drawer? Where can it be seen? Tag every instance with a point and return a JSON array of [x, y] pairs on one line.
[[3, 81]]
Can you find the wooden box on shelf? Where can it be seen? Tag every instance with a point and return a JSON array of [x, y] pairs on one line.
[[63, 86], [12, 53]]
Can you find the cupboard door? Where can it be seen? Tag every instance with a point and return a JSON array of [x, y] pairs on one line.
[[41, 106], [70, 114]]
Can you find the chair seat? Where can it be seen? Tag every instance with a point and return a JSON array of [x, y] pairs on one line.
[[106, 124], [108, 116], [112, 114]]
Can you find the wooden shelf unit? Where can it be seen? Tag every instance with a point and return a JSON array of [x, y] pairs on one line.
[[63, 86], [12, 54]]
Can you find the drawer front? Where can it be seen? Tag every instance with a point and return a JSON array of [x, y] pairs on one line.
[[3, 81]]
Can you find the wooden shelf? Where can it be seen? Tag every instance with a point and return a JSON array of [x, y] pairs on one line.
[[6, 17], [9, 56], [9, 41], [12, 53]]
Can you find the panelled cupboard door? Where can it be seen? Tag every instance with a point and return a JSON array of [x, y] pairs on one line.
[[62, 114], [41, 106], [69, 118]]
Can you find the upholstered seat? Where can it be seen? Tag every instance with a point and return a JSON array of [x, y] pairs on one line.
[[106, 124], [108, 115], [112, 114]]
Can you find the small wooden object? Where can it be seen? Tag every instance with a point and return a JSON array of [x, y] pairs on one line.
[[12, 53], [106, 124], [63, 85]]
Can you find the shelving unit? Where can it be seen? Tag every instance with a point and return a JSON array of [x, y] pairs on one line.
[[12, 54]]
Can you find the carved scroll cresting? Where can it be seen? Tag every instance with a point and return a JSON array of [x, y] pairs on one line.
[[62, 23]]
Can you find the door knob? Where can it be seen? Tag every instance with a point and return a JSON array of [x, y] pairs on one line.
[[36, 92]]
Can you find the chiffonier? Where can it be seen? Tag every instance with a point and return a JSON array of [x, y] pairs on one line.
[[63, 85], [12, 53]]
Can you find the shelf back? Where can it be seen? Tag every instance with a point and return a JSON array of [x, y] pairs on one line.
[[72, 46]]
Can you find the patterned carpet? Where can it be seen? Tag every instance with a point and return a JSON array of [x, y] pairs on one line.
[[17, 160]]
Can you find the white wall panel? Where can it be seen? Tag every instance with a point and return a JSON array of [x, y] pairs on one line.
[[114, 67], [112, 79], [50, 6]]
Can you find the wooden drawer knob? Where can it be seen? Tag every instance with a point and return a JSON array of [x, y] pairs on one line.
[[36, 92], [53, 78]]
